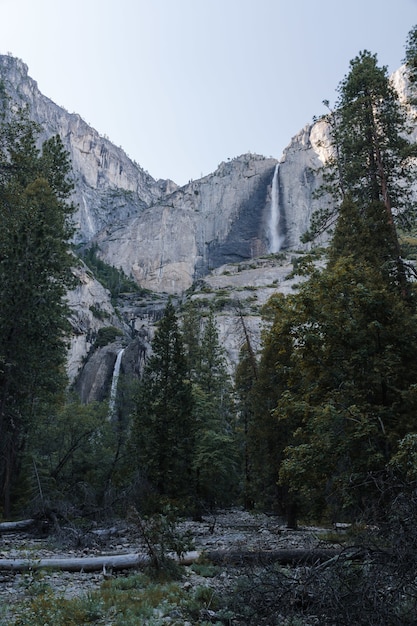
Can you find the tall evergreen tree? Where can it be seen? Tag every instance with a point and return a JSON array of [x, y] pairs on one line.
[[267, 436], [163, 434], [411, 55], [350, 394], [343, 346], [244, 382], [35, 272], [191, 327], [215, 458], [371, 152]]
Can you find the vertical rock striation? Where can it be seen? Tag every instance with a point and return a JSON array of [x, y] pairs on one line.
[[109, 185]]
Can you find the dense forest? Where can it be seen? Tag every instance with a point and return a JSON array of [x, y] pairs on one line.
[[320, 426]]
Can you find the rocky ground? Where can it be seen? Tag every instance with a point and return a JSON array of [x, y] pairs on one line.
[[228, 530]]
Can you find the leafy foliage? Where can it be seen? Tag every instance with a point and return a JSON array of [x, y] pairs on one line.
[[162, 540], [353, 390], [106, 335], [71, 460]]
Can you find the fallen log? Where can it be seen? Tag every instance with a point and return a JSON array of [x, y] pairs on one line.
[[135, 560], [75, 564], [284, 556], [23, 524]]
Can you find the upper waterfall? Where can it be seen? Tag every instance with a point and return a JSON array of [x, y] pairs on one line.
[[275, 238]]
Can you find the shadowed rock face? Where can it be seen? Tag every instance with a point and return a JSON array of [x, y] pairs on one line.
[[247, 237], [162, 235], [300, 177], [94, 380], [220, 218]]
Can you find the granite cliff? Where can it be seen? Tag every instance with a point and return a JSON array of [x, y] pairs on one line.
[[215, 234], [162, 235]]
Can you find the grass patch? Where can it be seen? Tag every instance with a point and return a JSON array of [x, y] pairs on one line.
[[122, 601], [207, 570]]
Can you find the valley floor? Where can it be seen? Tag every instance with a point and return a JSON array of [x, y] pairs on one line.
[[231, 530]]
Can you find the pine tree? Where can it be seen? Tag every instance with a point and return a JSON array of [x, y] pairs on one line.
[[354, 397], [411, 55], [350, 394], [268, 436], [342, 347], [35, 272], [371, 152], [215, 458], [191, 327], [244, 382], [163, 435]]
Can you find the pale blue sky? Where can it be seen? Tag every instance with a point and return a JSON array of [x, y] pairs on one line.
[[182, 85]]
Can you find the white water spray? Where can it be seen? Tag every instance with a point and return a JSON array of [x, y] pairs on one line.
[[275, 239], [115, 380]]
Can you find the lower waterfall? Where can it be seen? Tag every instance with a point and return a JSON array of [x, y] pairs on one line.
[[275, 239], [115, 380]]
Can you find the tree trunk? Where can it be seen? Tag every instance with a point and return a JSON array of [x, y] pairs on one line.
[[134, 560], [23, 524]]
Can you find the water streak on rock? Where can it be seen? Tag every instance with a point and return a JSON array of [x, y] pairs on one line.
[[115, 380], [275, 238]]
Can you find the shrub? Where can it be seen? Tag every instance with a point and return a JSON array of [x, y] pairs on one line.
[[107, 335]]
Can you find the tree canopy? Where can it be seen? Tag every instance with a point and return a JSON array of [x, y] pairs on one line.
[[35, 272], [163, 430], [371, 152], [335, 394]]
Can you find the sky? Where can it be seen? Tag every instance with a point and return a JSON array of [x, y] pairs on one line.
[[182, 85]]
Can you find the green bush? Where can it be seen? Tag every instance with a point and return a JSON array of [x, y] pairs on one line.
[[98, 313], [107, 335]]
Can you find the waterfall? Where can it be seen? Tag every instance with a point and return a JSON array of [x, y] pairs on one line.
[[115, 380], [275, 239]]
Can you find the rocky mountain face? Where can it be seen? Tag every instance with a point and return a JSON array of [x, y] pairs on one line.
[[109, 185], [163, 235], [222, 218], [219, 219], [214, 234]]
